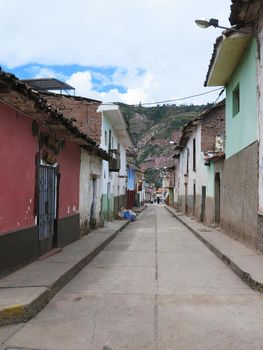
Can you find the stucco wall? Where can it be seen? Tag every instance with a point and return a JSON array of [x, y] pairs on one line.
[[240, 195], [203, 176], [260, 114], [90, 167], [113, 184], [18, 150], [241, 129], [69, 168]]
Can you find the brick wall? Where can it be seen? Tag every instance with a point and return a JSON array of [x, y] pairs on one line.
[[213, 124], [88, 120]]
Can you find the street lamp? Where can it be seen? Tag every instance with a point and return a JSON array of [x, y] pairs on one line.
[[204, 23]]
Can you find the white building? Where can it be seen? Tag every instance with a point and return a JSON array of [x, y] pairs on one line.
[[115, 139], [198, 169]]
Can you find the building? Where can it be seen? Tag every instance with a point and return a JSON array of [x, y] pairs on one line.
[[236, 64], [83, 112], [199, 167], [40, 175], [131, 180], [140, 187], [116, 140]]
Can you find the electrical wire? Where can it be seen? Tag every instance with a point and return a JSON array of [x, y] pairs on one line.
[[220, 93], [166, 101]]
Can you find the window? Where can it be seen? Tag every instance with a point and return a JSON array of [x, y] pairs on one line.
[[109, 139], [105, 137], [194, 155], [236, 100], [187, 164]]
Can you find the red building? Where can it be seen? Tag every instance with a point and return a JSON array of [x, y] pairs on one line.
[[39, 177]]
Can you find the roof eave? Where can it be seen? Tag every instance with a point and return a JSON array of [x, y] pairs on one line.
[[227, 54], [118, 123]]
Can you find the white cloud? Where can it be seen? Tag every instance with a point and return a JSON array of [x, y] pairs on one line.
[[42, 72], [158, 36], [140, 89], [81, 81]]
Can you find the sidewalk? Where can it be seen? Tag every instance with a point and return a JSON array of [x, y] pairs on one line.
[[139, 210], [26, 291], [245, 262]]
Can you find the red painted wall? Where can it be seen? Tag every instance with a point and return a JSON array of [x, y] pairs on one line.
[[17, 175], [69, 168], [18, 148]]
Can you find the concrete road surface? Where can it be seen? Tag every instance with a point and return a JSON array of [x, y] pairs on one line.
[[154, 287]]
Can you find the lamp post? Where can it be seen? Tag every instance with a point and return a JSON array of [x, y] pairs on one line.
[[213, 22], [204, 23]]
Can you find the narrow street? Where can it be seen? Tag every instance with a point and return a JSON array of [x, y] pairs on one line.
[[155, 286]]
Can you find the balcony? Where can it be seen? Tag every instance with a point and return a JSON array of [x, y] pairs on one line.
[[115, 161]]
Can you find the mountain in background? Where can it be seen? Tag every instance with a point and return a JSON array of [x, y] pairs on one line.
[[153, 127]]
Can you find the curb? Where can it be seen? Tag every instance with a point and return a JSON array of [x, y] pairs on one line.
[[141, 209], [22, 312], [243, 275]]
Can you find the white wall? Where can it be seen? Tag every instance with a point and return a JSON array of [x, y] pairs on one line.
[[113, 177], [203, 176], [90, 166]]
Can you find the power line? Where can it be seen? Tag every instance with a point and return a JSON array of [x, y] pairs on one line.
[[166, 101], [180, 99], [220, 93]]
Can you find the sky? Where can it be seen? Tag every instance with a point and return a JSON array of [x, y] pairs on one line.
[[131, 51]]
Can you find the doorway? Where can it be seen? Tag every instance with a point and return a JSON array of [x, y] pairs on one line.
[[186, 197], [202, 216], [47, 207], [217, 198]]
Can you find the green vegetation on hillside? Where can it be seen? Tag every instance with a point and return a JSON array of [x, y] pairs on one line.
[[153, 127], [159, 113]]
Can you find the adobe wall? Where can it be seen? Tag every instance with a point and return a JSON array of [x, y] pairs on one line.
[[239, 212], [213, 124], [88, 120]]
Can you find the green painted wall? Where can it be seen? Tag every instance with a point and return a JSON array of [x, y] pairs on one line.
[[107, 208], [241, 129], [171, 197]]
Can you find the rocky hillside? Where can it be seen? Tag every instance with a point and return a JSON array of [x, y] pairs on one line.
[[153, 127]]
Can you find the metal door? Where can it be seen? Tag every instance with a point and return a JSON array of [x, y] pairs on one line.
[[47, 184]]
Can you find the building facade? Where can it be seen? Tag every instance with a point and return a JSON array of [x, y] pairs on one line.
[[85, 116], [40, 176], [115, 139], [199, 166], [237, 70]]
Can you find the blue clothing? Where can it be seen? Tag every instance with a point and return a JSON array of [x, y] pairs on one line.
[[128, 216]]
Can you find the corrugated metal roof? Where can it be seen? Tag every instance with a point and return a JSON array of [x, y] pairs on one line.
[[45, 84]]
